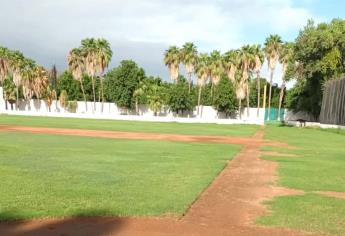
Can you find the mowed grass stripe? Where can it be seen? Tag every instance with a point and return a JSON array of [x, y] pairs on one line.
[[321, 167], [55, 176], [134, 126]]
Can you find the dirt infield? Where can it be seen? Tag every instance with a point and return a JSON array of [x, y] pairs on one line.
[[229, 206], [141, 135]]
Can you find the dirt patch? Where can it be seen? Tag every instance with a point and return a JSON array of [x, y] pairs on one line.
[[278, 154], [229, 206], [142, 136], [332, 194]]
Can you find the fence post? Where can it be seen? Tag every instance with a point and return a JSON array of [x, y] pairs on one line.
[[264, 101]]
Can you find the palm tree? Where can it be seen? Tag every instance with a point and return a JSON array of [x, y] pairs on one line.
[[16, 64], [256, 68], [285, 58], [104, 54], [246, 58], [155, 99], [4, 53], [76, 64], [172, 59], [50, 96], [29, 73], [137, 93], [272, 49], [189, 57], [89, 49], [230, 64], [216, 68], [203, 73], [40, 81]]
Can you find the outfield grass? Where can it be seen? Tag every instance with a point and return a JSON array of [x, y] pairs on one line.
[[54, 176], [137, 126], [321, 168]]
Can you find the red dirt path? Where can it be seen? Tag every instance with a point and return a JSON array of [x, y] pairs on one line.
[[229, 206]]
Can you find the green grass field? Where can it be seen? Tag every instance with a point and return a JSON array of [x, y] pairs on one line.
[[321, 167], [134, 126], [53, 176]]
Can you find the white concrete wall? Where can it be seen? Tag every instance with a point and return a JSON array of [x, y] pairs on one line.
[[110, 111]]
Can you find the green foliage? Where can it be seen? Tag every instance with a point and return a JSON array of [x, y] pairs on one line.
[[179, 100], [72, 106], [72, 87], [224, 97], [121, 82], [320, 53], [63, 99], [9, 90]]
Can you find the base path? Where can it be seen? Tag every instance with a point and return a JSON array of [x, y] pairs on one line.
[[229, 206]]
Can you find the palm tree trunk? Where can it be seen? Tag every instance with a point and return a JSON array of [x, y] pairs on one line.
[[199, 99], [258, 88], [102, 94], [189, 81], [94, 93], [17, 99], [270, 94], [247, 98], [136, 106], [239, 108], [82, 89], [212, 86], [281, 98]]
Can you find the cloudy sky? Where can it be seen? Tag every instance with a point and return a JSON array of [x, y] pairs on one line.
[[141, 30]]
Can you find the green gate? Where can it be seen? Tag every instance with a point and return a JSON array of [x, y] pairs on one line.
[[273, 115]]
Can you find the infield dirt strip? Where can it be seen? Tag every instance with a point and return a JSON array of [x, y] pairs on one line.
[[229, 206]]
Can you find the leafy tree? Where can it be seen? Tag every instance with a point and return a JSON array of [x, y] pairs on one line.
[[179, 100], [319, 53], [225, 97], [122, 81]]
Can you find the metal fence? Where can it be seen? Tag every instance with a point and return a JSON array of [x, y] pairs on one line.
[[333, 103]]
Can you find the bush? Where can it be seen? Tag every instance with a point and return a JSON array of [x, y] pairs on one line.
[[225, 98], [72, 106]]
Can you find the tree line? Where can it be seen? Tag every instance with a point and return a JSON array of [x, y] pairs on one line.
[[223, 81]]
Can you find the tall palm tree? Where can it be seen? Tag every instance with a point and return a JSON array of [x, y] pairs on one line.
[[216, 68], [76, 64], [4, 53], [272, 49], [40, 81], [172, 59], [104, 54], [28, 73], [246, 58], [189, 57], [90, 54], [16, 64], [285, 58], [203, 74], [256, 68], [230, 64]]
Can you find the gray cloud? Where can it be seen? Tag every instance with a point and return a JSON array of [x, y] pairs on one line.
[[46, 30]]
